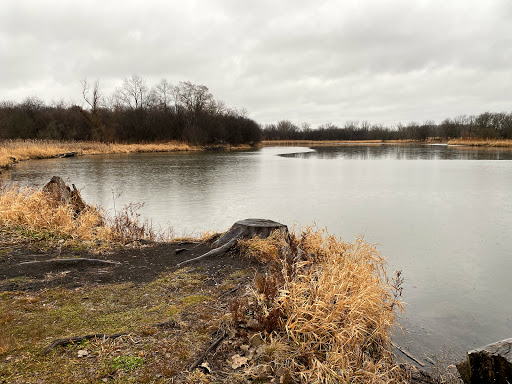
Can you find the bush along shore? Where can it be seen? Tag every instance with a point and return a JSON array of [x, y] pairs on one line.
[[88, 298]]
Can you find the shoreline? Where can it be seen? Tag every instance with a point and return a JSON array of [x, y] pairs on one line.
[[14, 151], [141, 292], [45, 262], [459, 142]]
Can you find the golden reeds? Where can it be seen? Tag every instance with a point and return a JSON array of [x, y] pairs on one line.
[[12, 151], [327, 143], [468, 142], [331, 316], [32, 210], [33, 213], [481, 142]]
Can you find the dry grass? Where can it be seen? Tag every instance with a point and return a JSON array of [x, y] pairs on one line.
[[12, 151], [32, 213], [271, 143], [481, 142], [32, 210], [330, 317], [469, 142]]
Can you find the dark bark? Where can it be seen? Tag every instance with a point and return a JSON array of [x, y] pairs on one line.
[[243, 229]]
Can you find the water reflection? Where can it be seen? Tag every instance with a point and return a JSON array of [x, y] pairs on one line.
[[403, 152]]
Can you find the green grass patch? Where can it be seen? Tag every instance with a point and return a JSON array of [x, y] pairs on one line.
[[127, 363]]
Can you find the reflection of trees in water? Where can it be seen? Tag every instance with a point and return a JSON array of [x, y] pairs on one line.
[[405, 152]]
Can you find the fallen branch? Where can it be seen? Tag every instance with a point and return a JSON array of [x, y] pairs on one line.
[[72, 340], [231, 290], [167, 324], [406, 353], [213, 252], [71, 260], [214, 344]]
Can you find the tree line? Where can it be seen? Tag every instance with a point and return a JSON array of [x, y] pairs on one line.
[[487, 125], [134, 112]]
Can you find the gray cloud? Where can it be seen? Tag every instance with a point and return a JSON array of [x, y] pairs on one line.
[[324, 61]]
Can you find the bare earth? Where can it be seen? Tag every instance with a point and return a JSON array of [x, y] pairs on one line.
[[136, 265]]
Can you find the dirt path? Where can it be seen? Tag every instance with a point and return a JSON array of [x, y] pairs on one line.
[[23, 268]]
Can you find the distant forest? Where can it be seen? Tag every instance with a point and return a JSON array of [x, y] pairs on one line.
[[135, 112], [487, 125]]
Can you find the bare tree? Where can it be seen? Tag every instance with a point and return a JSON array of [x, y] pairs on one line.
[[133, 94], [92, 97], [162, 94], [195, 98]]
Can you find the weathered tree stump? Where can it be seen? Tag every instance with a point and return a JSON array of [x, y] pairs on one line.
[[489, 364], [243, 229], [61, 194]]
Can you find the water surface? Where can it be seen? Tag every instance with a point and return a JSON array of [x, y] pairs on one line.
[[441, 214]]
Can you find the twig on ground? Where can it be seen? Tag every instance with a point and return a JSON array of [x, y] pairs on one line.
[[71, 260], [72, 340], [231, 290], [406, 353], [214, 344]]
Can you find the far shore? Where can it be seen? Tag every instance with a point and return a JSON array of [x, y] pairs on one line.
[[467, 142], [14, 151]]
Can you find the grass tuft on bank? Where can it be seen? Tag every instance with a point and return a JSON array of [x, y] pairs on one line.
[[327, 307], [27, 213]]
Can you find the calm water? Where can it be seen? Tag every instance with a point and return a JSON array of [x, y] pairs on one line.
[[441, 214]]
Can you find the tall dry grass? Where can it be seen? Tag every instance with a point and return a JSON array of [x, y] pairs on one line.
[[328, 308], [32, 210], [317, 143], [34, 213], [481, 142], [12, 151]]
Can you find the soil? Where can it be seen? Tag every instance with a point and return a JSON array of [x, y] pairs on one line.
[[23, 268], [140, 264]]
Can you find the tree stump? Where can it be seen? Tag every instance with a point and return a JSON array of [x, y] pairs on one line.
[[243, 229], [61, 194]]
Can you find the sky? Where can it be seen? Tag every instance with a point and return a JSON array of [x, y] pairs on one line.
[[383, 61]]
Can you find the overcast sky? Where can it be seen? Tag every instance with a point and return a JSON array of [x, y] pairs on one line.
[[306, 61]]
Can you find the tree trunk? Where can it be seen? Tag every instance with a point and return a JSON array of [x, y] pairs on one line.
[[60, 193], [243, 229]]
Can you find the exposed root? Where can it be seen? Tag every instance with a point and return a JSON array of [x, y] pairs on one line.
[[73, 340]]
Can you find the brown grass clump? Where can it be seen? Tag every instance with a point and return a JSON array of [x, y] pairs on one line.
[[32, 213], [33, 210], [333, 311], [12, 151], [481, 142], [268, 143]]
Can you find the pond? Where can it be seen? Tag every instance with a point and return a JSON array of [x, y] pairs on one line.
[[441, 214]]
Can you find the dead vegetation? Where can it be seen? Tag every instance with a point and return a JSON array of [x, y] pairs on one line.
[[462, 141], [29, 213], [12, 151], [327, 308], [481, 142], [272, 143]]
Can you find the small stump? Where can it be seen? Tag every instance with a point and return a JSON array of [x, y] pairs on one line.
[[243, 229], [61, 194]]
